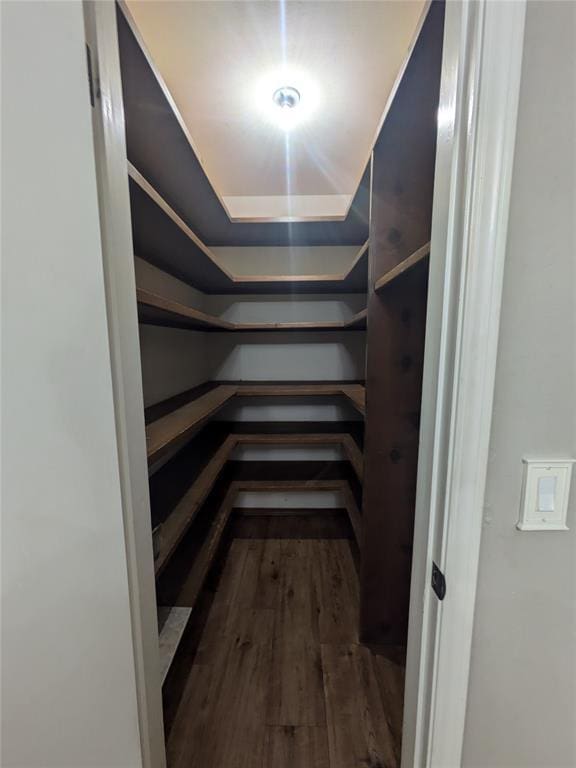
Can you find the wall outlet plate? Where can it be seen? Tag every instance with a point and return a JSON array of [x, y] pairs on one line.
[[545, 492]]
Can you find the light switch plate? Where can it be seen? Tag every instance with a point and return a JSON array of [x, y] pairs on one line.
[[545, 493]]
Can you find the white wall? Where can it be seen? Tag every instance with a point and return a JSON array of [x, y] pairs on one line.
[[522, 695], [68, 684], [288, 453], [288, 356], [290, 500], [173, 360], [246, 308]]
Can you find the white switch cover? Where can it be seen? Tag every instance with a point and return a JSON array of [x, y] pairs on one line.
[[545, 494]]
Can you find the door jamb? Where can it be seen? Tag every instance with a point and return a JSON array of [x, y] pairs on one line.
[[477, 117], [118, 266]]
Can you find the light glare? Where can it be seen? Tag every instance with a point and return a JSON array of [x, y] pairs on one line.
[[286, 118]]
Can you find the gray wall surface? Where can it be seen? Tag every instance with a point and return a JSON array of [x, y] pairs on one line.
[[68, 668], [522, 695], [172, 359]]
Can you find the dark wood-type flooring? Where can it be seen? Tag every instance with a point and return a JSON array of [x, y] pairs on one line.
[[279, 679]]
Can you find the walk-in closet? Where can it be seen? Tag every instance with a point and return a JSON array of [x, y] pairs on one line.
[[282, 361]]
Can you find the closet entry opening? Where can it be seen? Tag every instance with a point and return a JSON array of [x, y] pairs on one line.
[[280, 159]]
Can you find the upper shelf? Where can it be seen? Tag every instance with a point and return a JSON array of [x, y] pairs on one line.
[[404, 266], [163, 238], [157, 310]]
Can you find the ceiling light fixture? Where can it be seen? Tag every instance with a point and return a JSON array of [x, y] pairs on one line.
[[286, 97]]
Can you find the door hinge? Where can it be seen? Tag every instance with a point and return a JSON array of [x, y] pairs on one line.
[[90, 74], [438, 582]]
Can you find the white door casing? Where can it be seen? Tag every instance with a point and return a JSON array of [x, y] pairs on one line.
[[118, 262], [477, 118]]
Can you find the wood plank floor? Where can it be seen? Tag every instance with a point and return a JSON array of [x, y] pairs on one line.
[[279, 679]]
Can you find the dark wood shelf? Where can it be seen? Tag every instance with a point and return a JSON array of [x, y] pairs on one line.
[[157, 310], [190, 590], [358, 322], [339, 485], [407, 264], [345, 441], [174, 427], [164, 239], [192, 586], [184, 513]]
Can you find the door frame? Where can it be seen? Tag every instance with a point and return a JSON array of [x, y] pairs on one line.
[[477, 117], [121, 309], [482, 57]]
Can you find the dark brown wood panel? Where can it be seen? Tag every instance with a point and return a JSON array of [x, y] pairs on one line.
[[402, 188]]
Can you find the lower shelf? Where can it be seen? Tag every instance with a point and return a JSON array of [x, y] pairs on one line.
[[184, 513], [342, 486], [172, 623], [176, 425], [192, 586]]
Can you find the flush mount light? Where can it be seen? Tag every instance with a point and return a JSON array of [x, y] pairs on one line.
[[286, 97]]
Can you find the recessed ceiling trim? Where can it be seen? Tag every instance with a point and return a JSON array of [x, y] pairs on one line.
[[236, 279], [254, 208], [224, 201]]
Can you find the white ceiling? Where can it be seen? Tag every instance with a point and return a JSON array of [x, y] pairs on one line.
[[222, 60]]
